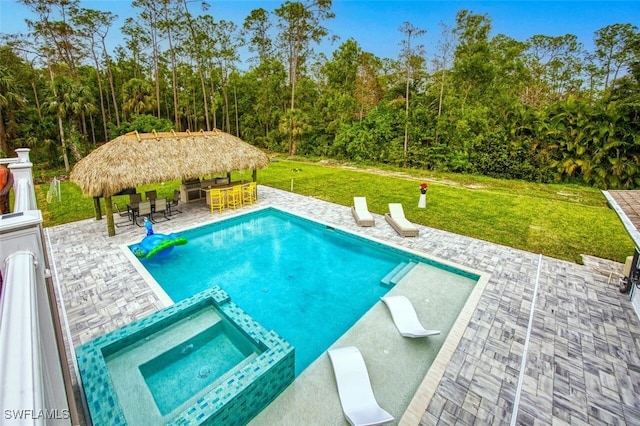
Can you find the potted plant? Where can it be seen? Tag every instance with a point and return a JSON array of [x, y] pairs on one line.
[[422, 202]]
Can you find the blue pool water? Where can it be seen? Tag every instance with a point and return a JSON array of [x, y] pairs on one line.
[[306, 281], [178, 374]]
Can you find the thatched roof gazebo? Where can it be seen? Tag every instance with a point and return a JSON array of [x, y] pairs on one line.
[[142, 158]]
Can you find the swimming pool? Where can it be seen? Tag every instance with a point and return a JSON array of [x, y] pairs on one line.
[[307, 281]]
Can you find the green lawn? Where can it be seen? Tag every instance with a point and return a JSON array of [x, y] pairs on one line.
[[560, 221]]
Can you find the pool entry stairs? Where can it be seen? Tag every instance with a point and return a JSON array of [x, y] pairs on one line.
[[397, 273]]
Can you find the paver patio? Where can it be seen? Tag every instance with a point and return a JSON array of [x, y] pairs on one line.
[[582, 360]]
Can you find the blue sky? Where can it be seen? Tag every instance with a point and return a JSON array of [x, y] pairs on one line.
[[374, 23]]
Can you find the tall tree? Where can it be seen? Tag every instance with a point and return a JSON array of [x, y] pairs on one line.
[[613, 49], [412, 56], [226, 54], [59, 44], [555, 64], [444, 57], [473, 69], [368, 90], [300, 24], [256, 27], [170, 24], [59, 39], [269, 71], [148, 23], [193, 45], [61, 103], [339, 103], [92, 24], [446, 46], [207, 30]]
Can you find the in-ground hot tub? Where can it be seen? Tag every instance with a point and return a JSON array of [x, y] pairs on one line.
[[200, 361]]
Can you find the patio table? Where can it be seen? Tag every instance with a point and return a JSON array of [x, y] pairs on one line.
[[132, 210]]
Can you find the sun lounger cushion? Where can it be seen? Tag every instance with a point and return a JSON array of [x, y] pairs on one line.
[[361, 212], [354, 388], [405, 317]]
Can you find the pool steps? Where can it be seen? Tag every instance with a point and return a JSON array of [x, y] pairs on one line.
[[397, 273]]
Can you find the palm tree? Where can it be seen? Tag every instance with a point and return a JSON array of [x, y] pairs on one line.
[[61, 103], [294, 124], [137, 96], [8, 100]]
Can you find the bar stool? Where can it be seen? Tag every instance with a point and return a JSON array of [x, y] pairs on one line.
[[249, 193], [235, 197], [216, 199]]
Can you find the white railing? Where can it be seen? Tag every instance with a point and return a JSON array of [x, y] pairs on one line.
[[19, 358], [35, 385]]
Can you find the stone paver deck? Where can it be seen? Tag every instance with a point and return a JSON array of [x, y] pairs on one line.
[[582, 359]]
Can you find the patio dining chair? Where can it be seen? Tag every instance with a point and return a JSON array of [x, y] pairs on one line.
[[151, 195], [173, 204], [123, 213], [134, 198], [144, 209], [162, 205]]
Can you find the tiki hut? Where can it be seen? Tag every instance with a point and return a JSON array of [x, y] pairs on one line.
[[142, 158]]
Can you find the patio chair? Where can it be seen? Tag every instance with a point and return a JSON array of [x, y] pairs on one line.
[[134, 198], [173, 205], [216, 199], [123, 213], [151, 195], [396, 219], [359, 404], [144, 209], [361, 213], [162, 205], [405, 317]]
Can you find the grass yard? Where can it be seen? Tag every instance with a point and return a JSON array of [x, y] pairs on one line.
[[560, 221]]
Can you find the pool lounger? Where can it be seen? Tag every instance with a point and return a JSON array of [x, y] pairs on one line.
[[361, 213], [354, 388], [399, 222], [405, 317]]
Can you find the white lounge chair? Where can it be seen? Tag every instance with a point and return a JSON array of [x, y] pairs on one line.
[[361, 213], [396, 219], [405, 317], [354, 388]]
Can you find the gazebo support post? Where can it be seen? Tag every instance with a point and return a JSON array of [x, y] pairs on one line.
[[254, 175], [96, 208], [111, 228]]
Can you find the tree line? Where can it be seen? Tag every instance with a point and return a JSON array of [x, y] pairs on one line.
[[544, 110]]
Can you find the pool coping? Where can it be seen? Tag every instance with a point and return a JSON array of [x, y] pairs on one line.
[[427, 388]]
